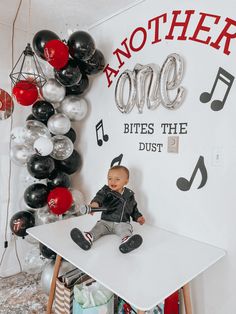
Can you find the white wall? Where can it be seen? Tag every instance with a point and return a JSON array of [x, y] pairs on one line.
[[205, 214]]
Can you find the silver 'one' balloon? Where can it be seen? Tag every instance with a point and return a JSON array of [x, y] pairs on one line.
[[43, 146], [20, 154], [119, 91], [53, 91], [62, 147], [74, 107], [47, 274], [59, 123], [34, 130], [170, 78]]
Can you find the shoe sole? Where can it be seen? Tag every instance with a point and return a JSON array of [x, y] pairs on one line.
[[131, 244], [78, 237]]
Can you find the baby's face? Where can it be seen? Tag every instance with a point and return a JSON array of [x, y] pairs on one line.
[[117, 179]]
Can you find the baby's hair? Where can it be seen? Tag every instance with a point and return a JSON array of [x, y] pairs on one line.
[[119, 167]]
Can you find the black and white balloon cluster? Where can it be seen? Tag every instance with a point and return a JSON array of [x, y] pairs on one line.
[[45, 144]]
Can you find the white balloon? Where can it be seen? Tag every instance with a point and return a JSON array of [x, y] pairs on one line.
[[59, 123], [53, 91], [43, 146], [74, 107]]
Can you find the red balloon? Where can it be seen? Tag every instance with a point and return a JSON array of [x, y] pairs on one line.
[[26, 93], [56, 53], [59, 200]]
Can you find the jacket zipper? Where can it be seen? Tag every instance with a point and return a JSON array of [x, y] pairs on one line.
[[123, 209]]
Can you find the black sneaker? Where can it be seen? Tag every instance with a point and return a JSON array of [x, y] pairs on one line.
[[83, 240], [131, 243]]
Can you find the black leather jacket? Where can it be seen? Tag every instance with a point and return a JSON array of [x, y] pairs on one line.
[[120, 207]]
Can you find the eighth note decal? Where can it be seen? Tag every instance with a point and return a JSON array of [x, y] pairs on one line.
[[100, 135], [227, 79], [184, 184]]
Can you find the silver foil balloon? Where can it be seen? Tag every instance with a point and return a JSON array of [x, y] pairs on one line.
[[74, 107], [43, 146], [34, 263], [20, 154], [62, 147], [34, 130], [119, 91], [47, 274], [59, 123], [44, 216], [53, 91], [170, 78]]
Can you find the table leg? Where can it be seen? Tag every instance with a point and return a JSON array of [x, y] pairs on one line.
[[53, 283], [187, 299]]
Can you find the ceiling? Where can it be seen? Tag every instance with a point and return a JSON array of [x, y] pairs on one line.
[[61, 16]]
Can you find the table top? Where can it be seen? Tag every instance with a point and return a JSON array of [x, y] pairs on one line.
[[144, 277]]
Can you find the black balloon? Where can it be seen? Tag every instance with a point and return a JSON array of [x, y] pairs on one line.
[[46, 252], [21, 221], [71, 134], [69, 75], [40, 166], [42, 110], [36, 195], [78, 88], [71, 164], [93, 65], [32, 117], [40, 39], [81, 45], [58, 178]]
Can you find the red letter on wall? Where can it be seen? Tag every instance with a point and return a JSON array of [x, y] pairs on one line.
[[228, 36], [109, 72], [144, 34], [179, 24], [157, 25], [201, 27], [125, 53]]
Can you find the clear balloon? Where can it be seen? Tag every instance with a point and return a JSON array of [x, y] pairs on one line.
[[44, 216], [43, 146], [59, 124], [74, 107], [62, 147], [34, 130], [78, 200], [25, 179], [34, 263], [18, 135], [20, 154], [53, 91]]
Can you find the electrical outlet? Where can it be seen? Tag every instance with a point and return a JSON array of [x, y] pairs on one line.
[[173, 144]]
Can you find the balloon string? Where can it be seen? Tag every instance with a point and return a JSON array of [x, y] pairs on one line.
[[10, 165]]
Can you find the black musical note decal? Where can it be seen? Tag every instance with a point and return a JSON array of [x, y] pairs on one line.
[[184, 184], [227, 79], [117, 160], [105, 137]]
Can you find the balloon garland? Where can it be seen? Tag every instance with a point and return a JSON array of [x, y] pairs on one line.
[[45, 144]]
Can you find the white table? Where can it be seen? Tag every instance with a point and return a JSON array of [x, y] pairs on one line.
[[163, 264]]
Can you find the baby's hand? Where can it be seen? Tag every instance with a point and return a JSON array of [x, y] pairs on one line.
[[141, 220]]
